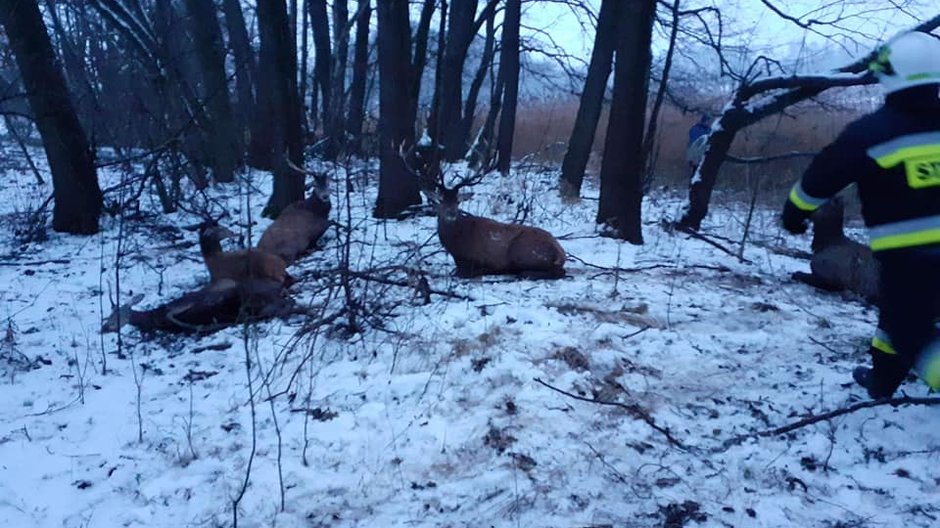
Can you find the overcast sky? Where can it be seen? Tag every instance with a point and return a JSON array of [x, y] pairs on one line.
[[862, 23]]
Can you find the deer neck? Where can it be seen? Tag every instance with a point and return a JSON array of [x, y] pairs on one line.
[[209, 247]]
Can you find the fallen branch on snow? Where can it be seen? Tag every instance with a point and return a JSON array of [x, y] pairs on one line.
[[634, 410], [816, 418]]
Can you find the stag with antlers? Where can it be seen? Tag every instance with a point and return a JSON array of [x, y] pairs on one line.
[[482, 246]]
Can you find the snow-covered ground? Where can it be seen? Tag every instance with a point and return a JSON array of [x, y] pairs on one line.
[[432, 414]]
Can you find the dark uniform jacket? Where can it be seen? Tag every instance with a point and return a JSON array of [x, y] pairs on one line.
[[893, 155]]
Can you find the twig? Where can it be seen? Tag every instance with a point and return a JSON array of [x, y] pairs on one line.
[[816, 418], [633, 409], [710, 242]]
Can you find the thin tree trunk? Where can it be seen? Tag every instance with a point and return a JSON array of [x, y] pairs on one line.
[[223, 141], [509, 63], [244, 58], [304, 59], [460, 33], [320, 23], [622, 167], [592, 100], [483, 146], [420, 57], [653, 124], [398, 189], [360, 70], [75, 183], [333, 126], [486, 62]]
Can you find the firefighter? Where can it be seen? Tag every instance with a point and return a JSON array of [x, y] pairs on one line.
[[893, 157]]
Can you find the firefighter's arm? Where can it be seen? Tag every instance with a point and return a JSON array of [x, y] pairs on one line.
[[830, 171]]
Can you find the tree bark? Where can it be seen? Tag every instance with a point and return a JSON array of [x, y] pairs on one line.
[[592, 100], [486, 63], [333, 125], [360, 70], [446, 123], [244, 58], [398, 189], [320, 23], [740, 114], [420, 57], [223, 141], [509, 63], [281, 100], [77, 196], [622, 167]]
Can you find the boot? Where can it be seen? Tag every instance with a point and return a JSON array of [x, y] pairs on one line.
[[864, 376]]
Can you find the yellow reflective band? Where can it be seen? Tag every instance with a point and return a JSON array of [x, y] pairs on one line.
[[919, 151], [883, 345], [917, 238], [803, 201]]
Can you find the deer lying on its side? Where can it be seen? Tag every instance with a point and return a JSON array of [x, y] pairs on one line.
[[840, 263], [300, 225], [220, 304]]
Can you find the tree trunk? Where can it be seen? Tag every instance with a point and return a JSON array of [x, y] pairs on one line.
[[650, 140], [333, 125], [483, 146], [622, 167], [223, 141], [75, 183], [592, 100], [486, 63], [320, 23], [420, 57], [509, 64], [304, 59], [398, 189], [360, 69], [279, 88], [447, 112], [244, 58]]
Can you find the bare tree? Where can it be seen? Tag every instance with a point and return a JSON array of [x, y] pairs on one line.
[[279, 100], [244, 58], [360, 70], [750, 103], [322, 72], [622, 167], [77, 195], [224, 143], [509, 71], [592, 99], [397, 188], [333, 126]]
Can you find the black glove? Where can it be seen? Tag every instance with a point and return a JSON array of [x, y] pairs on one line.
[[795, 220]]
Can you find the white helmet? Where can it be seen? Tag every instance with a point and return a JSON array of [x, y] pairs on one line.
[[911, 59]]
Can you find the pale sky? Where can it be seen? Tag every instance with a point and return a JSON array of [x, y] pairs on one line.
[[750, 23]]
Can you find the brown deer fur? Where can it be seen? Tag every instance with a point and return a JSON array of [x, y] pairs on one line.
[[481, 246], [840, 263], [298, 228], [238, 265], [213, 307]]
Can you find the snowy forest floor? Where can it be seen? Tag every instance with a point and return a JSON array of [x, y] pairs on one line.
[[442, 414]]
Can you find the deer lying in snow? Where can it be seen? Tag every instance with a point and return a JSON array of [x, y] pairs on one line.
[[300, 225], [840, 263], [242, 265], [481, 246], [220, 304]]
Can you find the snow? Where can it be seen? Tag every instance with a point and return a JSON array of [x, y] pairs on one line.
[[434, 418]]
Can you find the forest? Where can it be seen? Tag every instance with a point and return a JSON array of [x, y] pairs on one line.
[[443, 263]]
